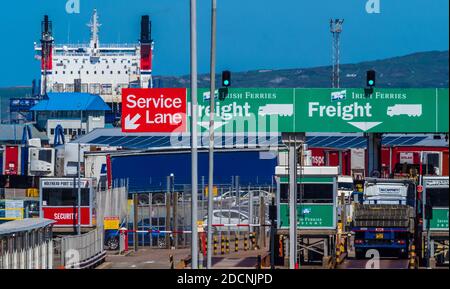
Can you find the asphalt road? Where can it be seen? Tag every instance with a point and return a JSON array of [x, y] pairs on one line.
[[383, 263]]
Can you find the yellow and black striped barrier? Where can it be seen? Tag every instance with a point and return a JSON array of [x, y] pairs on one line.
[[253, 240], [245, 242], [412, 257], [222, 244], [227, 244], [215, 245], [236, 243]]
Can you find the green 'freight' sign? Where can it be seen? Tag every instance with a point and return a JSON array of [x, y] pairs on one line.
[[440, 219], [310, 216], [260, 110]]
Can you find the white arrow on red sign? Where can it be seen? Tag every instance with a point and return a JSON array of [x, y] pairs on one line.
[[130, 123]]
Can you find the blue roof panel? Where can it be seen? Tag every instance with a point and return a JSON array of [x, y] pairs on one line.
[[71, 101]]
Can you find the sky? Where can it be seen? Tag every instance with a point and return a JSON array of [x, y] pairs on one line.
[[251, 34]]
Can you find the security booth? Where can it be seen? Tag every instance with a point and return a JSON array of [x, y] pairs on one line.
[[316, 213], [26, 244], [435, 220], [59, 202]]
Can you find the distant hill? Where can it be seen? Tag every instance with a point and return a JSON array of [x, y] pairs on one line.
[[420, 70]]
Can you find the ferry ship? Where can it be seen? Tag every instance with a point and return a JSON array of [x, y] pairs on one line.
[[93, 67]]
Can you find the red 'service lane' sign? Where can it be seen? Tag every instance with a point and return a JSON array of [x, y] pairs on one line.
[[154, 109]]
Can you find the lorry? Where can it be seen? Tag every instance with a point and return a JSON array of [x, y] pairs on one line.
[[435, 220], [384, 218]]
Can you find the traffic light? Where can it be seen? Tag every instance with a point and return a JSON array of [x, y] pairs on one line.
[[226, 78], [370, 82]]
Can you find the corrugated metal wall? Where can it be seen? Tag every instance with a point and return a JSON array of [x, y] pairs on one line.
[[148, 172]]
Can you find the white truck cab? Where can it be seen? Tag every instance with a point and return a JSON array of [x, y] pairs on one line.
[[345, 186]]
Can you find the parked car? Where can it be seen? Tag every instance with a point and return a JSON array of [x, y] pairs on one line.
[[227, 217], [255, 197], [229, 195], [112, 237]]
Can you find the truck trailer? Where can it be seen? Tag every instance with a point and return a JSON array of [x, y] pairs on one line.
[[385, 218]]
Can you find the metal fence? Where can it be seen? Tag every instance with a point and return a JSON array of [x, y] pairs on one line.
[[27, 249], [170, 211], [80, 251]]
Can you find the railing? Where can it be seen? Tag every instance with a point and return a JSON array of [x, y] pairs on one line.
[[80, 251]]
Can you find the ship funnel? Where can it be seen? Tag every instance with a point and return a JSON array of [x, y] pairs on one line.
[[146, 29], [46, 26]]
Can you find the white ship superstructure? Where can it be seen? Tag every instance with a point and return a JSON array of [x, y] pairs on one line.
[[96, 68]]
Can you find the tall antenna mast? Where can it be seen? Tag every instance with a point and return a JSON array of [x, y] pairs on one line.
[[336, 29], [94, 25]]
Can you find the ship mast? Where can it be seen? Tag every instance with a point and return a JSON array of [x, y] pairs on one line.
[[94, 25]]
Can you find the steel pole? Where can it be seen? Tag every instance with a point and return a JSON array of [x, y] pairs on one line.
[[79, 177], [194, 179], [211, 134], [292, 204]]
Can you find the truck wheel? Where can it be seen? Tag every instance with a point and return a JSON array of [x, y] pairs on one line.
[[113, 243]]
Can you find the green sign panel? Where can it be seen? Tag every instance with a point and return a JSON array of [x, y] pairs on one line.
[[262, 110], [310, 216], [440, 219]]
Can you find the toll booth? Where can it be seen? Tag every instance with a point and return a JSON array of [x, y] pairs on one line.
[[316, 211], [58, 202], [435, 236], [26, 244]]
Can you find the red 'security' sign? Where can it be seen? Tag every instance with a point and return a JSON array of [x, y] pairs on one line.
[[67, 216], [154, 109]]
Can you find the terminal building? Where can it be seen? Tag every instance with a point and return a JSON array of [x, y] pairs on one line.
[[77, 113]]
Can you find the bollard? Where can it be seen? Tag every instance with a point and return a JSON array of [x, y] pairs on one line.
[[123, 242], [205, 244], [245, 242], [171, 262], [222, 245], [215, 245], [227, 244], [253, 240], [280, 246], [236, 243], [412, 257]]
